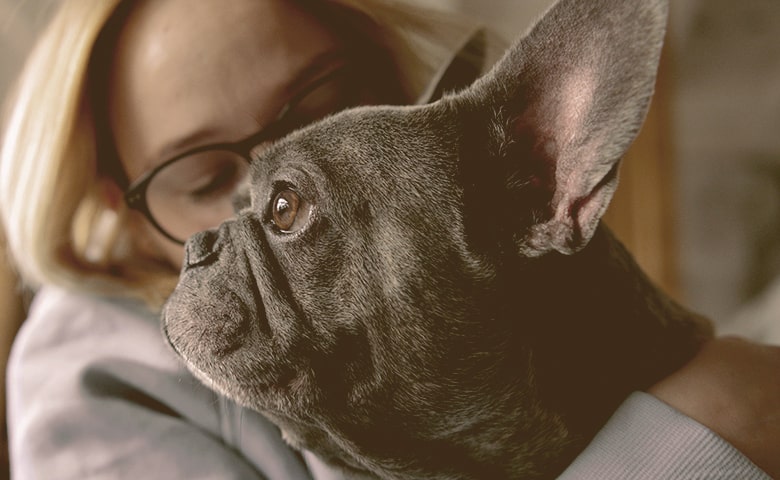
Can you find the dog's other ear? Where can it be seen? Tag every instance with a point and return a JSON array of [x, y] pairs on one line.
[[566, 102]]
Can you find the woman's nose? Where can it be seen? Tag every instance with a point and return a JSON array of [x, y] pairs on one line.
[[241, 198]]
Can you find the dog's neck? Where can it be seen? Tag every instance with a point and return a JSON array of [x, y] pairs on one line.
[[592, 308], [575, 335], [604, 280]]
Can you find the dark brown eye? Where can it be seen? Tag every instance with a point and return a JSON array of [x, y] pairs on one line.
[[288, 212]]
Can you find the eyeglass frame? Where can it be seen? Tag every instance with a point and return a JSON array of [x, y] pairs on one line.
[[135, 194]]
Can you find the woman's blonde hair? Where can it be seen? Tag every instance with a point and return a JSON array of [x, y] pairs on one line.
[[59, 227]]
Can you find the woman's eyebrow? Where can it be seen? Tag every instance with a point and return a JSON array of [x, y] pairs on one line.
[[322, 64], [179, 146]]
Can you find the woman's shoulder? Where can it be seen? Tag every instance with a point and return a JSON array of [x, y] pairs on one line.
[[66, 322], [68, 338], [93, 378]]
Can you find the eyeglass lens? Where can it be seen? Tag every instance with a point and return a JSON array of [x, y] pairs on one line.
[[196, 192]]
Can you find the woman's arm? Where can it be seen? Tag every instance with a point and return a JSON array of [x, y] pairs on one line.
[[733, 387], [648, 440], [717, 417]]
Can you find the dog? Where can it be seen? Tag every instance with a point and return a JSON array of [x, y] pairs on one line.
[[427, 292]]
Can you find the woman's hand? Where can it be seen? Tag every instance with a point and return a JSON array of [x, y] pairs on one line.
[[733, 387]]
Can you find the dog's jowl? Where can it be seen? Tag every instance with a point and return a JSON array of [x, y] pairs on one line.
[[426, 292]]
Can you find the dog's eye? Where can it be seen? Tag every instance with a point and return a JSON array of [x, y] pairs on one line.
[[289, 212]]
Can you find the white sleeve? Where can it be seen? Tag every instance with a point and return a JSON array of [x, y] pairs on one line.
[[648, 439]]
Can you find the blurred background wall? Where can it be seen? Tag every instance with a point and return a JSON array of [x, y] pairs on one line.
[[727, 127]]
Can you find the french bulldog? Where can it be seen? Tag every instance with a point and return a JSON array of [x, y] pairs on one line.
[[427, 292]]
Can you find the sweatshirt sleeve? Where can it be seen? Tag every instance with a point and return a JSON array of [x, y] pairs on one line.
[[647, 439], [94, 393]]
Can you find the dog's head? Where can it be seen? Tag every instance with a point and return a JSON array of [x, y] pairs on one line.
[[361, 300]]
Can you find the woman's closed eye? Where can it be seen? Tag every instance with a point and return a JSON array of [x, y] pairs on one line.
[[206, 177], [218, 183]]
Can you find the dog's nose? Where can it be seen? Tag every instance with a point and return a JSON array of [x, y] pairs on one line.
[[202, 248]]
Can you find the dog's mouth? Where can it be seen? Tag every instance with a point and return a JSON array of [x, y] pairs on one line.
[[198, 323], [217, 309]]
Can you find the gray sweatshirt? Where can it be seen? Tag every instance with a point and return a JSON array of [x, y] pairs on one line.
[[95, 393]]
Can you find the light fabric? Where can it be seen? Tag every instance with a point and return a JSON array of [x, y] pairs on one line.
[[95, 393], [648, 439]]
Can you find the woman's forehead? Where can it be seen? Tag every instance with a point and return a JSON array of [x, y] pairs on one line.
[[194, 70]]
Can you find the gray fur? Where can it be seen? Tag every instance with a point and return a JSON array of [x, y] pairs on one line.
[[451, 308]]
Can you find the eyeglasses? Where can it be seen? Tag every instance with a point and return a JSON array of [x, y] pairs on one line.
[[194, 191]]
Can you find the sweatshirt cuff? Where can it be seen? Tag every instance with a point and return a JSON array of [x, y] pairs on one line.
[[647, 439]]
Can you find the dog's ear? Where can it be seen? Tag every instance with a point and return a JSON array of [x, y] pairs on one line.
[[565, 103]]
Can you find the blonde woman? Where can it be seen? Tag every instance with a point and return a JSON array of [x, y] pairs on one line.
[[123, 105]]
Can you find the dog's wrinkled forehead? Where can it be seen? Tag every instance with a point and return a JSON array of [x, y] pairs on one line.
[[373, 139], [373, 156]]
